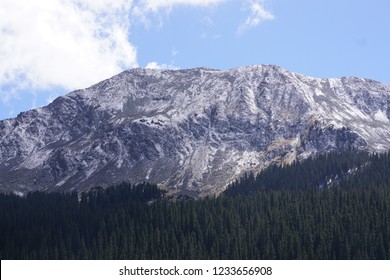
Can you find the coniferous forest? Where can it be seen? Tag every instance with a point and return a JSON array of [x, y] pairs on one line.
[[334, 206]]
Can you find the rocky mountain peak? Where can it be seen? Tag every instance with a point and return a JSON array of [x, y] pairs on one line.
[[192, 131]]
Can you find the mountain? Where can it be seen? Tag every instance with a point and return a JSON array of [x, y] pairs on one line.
[[191, 131]]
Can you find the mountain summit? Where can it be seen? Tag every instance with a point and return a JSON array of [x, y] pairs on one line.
[[192, 131]]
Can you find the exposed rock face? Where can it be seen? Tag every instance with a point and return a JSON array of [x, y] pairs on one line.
[[191, 130]]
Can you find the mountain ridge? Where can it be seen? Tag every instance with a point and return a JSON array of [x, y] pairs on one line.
[[193, 131]]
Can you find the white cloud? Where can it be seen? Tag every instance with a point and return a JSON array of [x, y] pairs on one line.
[[102, 5], [155, 5], [258, 15], [66, 43], [155, 65]]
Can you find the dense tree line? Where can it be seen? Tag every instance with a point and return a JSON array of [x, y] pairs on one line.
[[321, 171], [267, 216]]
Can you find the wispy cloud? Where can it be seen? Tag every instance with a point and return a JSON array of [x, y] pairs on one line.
[[152, 13], [208, 21], [257, 16], [174, 52], [155, 5]]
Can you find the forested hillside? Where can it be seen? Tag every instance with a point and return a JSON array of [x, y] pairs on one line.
[[335, 206], [346, 169]]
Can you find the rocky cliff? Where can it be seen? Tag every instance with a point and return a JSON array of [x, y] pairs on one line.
[[192, 131]]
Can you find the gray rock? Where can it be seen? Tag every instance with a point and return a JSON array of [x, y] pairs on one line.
[[191, 131]]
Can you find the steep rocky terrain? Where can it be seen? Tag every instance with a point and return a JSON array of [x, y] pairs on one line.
[[192, 131]]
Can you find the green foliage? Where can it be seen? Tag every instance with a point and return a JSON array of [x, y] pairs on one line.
[[280, 219], [321, 171]]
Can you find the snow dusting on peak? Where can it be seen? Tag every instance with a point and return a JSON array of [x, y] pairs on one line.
[[192, 130]]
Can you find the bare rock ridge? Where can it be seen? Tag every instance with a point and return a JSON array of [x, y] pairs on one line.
[[192, 131]]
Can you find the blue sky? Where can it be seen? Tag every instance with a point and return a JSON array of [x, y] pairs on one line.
[[51, 47]]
